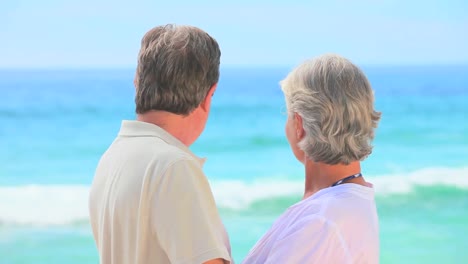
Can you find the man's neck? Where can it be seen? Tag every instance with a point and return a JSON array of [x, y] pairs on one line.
[[319, 175], [177, 125]]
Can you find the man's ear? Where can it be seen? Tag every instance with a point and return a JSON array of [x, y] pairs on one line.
[[298, 126], [205, 105]]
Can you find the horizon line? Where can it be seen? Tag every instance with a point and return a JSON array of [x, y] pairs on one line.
[[227, 66]]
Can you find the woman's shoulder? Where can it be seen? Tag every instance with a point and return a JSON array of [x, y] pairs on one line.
[[338, 206]]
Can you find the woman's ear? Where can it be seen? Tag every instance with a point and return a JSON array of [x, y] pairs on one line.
[[298, 126]]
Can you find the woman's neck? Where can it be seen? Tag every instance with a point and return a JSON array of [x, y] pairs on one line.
[[319, 175]]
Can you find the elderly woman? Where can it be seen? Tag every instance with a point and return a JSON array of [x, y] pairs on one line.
[[331, 122]]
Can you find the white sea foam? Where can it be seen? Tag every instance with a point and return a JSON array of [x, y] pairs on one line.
[[238, 194], [43, 204], [65, 204]]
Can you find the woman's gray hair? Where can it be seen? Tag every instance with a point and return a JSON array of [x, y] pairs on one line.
[[336, 103], [177, 66]]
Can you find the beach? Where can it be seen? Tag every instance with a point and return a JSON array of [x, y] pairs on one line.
[[57, 123]]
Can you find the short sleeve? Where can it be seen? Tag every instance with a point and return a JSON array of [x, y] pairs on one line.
[[312, 240], [185, 218]]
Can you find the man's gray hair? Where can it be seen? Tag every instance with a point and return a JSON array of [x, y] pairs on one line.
[[177, 66], [336, 103]]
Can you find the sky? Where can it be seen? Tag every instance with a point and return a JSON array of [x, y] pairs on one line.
[[107, 33]]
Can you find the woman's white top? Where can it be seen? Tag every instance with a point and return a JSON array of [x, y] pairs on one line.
[[335, 225]]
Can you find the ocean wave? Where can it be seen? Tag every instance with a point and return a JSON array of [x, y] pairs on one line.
[[239, 195], [68, 204], [43, 204]]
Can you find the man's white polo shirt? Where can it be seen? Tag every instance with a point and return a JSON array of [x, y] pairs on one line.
[[150, 202]]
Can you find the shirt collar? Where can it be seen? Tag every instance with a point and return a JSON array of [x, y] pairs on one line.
[[134, 128]]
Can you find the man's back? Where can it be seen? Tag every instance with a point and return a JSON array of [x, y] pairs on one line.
[[151, 203]]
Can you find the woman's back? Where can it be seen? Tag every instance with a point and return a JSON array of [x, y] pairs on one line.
[[335, 225]]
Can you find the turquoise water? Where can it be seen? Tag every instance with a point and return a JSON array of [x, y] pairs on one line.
[[56, 124]]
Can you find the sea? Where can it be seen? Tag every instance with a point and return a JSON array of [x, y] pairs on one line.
[[55, 125]]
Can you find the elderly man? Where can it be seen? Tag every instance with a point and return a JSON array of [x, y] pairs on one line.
[[150, 201]]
